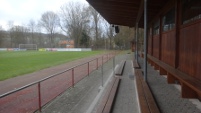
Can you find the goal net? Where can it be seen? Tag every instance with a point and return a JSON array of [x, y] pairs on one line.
[[28, 47]]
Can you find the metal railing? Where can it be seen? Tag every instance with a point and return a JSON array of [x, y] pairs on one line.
[[33, 96]]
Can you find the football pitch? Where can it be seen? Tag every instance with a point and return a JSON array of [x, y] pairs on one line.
[[17, 63]]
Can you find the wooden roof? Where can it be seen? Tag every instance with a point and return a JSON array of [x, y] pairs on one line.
[[127, 12]]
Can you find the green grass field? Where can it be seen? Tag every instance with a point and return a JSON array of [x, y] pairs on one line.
[[14, 64]]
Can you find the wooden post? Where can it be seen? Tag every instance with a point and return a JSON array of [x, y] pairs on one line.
[[187, 92], [162, 71], [178, 23], [170, 78]]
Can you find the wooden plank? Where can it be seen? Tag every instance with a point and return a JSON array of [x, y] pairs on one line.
[[144, 108], [120, 69], [156, 47], [148, 95], [168, 47], [135, 64], [186, 80], [105, 97], [112, 96], [108, 99]]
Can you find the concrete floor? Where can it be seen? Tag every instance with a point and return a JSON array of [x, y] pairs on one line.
[[168, 96], [80, 98]]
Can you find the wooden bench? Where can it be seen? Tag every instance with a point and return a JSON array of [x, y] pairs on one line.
[[135, 64], [108, 98], [146, 100], [190, 86], [120, 68]]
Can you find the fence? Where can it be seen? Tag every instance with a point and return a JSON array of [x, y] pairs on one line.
[[32, 97]]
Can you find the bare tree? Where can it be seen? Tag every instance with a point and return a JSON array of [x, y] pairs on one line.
[[109, 32], [50, 22], [123, 38], [18, 35], [96, 18], [32, 26], [2, 34], [41, 41], [73, 20], [10, 26]]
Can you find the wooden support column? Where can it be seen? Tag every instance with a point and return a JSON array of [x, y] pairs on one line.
[[145, 40], [152, 64], [148, 60], [160, 37], [178, 24], [156, 67], [171, 79], [162, 71], [152, 40], [187, 92], [136, 42]]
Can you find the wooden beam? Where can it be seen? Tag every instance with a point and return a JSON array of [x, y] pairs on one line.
[[114, 8], [170, 79], [162, 11], [187, 92], [117, 1], [123, 23], [156, 67], [178, 23], [116, 13], [114, 3], [162, 71], [160, 37], [140, 12]]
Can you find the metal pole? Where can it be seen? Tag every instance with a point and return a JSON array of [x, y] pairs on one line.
[[102, 60], [137, 42], [145, 40], [73, 77], [88, 68], [102, 72], [107, 57], [97, 64], [133, 42], [39, 97], [113, 63]]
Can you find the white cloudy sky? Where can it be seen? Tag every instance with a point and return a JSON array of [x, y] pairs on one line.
[[21, 11]]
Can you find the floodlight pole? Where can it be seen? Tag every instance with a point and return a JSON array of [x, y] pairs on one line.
[[145, 40]]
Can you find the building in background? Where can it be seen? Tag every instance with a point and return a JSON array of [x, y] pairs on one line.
[[66, 43]]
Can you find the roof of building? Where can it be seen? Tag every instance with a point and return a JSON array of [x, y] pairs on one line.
[[127, 12]]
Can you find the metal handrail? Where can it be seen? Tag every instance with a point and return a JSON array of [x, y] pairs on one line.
[[34, 83]]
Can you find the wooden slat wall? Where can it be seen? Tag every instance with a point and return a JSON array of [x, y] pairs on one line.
[[168, 47], [156, 46], [150, 45], [190, 50]]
